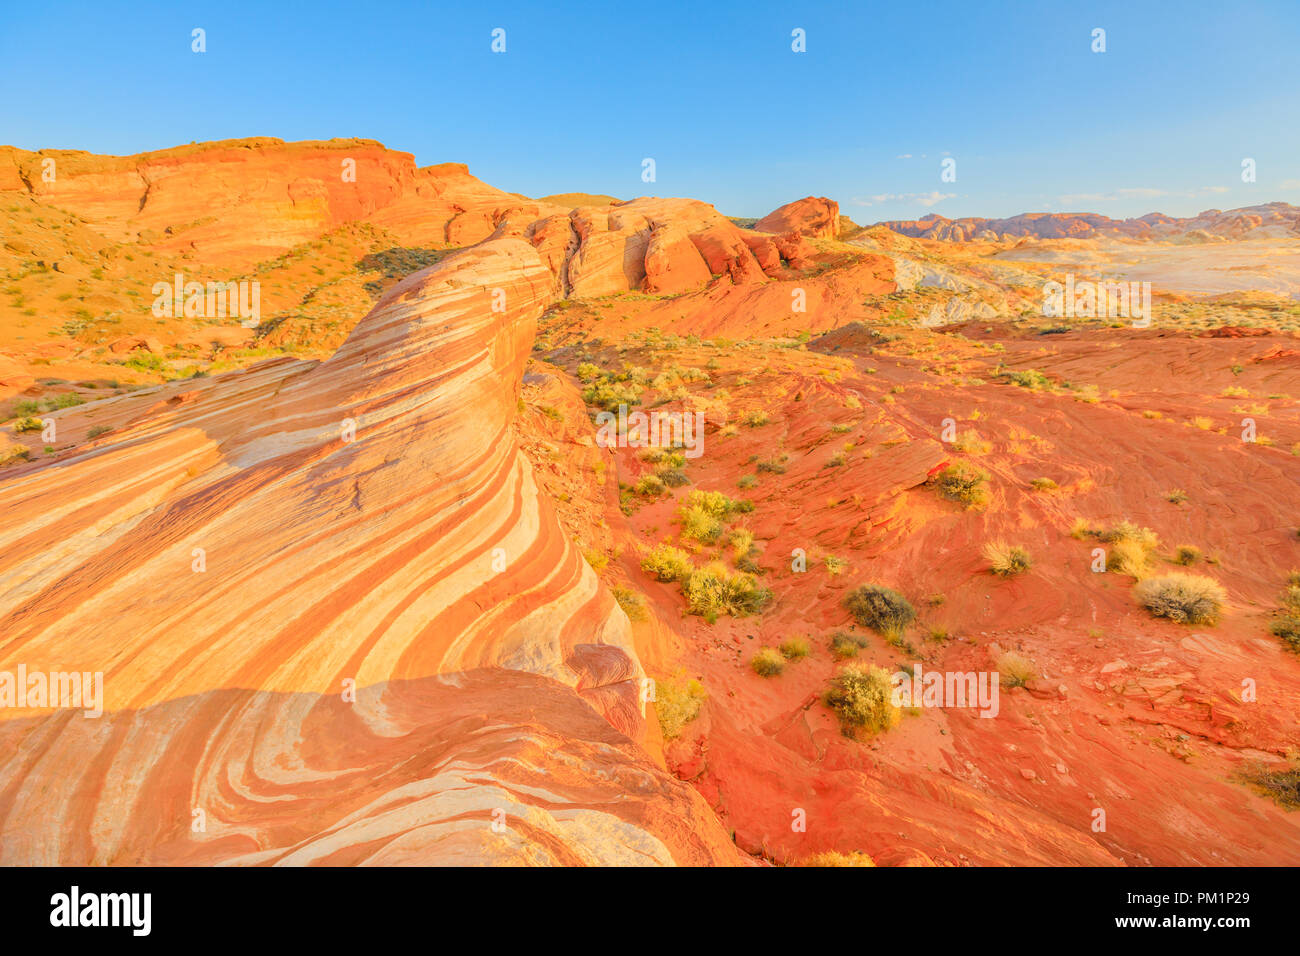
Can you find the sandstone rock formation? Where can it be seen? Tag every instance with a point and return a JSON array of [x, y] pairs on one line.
[[241, 552], [815, 217], [234, 202]]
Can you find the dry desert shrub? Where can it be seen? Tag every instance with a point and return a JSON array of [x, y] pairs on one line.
[[970, 443], [1281, 786], [1286, 625], [1016, 669], [845, 644], [768, 662], [1185, 598], [1128, 557], [832, 858], [794, 648], [835, 565], [883, 610], [1005, 559]]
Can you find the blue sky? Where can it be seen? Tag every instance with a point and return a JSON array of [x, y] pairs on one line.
[[711, 91]]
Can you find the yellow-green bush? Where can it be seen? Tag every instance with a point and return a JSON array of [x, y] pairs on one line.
[[677, 703], [667, 563], [963, 483], [712, 591], [862, 698], [768, 662]]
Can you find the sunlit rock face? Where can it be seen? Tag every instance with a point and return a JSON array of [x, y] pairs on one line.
[[335, 618]]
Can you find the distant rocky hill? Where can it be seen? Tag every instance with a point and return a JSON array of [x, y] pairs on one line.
[[1274, 220]]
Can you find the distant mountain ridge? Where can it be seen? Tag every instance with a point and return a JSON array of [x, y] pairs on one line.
[[1275, 220]]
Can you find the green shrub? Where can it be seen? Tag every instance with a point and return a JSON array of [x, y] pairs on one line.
[[609, 395], [883, 610], [66, 400], [145, 362], [715, 503], [963, 483], [666, 563], [651, 486], [1030, 378], [699, 525], [713, 591], [703, 512], [677, 703], [862, 698], [741, 541], [1286, 627]]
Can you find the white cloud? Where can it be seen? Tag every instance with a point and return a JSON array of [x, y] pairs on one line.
[[904, 156], [923, 199]]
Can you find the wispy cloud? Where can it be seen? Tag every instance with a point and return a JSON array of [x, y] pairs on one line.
[[1139, 192], [1071, 198], [904, 156], [922, 199]]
